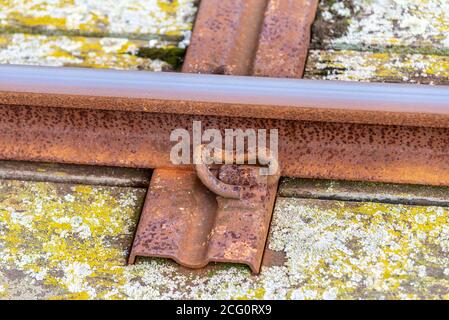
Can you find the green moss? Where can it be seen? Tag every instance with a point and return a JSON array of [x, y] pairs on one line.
[[172, 55], [61, 241]]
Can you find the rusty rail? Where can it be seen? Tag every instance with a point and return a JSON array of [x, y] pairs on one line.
[[236, 38], [252, 37], [352, 131], [125, 119], [231, 96], [333, 130]]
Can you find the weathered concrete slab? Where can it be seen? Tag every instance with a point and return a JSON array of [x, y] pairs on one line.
[[117, 53], [142, 19], [381, 41], [377, 67], [363, 250], [71, 242], [412, 26], [364, 191]]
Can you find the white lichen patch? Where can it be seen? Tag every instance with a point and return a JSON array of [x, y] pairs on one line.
[[385, 23], [118, 17], [371, 66], [342, 250], [333, 250], [117, 53]]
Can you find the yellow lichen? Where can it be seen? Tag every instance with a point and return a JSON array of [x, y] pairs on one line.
[[75, 51], [377, 66], [135, 18], [71, 242], [374, 24], [68, 243], [169, 7]]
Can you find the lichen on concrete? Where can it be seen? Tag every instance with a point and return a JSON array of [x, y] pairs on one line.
[[368, 250], [126, 18], [383, 24], [97, 34], [64, 241], [381, 40], [71, 242], [43, 50], [377, 66]]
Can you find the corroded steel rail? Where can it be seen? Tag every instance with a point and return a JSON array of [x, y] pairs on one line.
[[230, 96], [252, 37], [225, 221], [332, 130], [335, 130]]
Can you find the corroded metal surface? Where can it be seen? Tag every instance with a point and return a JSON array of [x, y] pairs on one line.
[[176, 219], [231, 191], [125, 34], [242, 225], [215, 185], [183, 221], [68, 173], [284, 39], [398, 154], [252, 97], [259, 37], [224, 37]]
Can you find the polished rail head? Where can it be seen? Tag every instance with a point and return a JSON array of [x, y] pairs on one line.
[[238, 96]]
